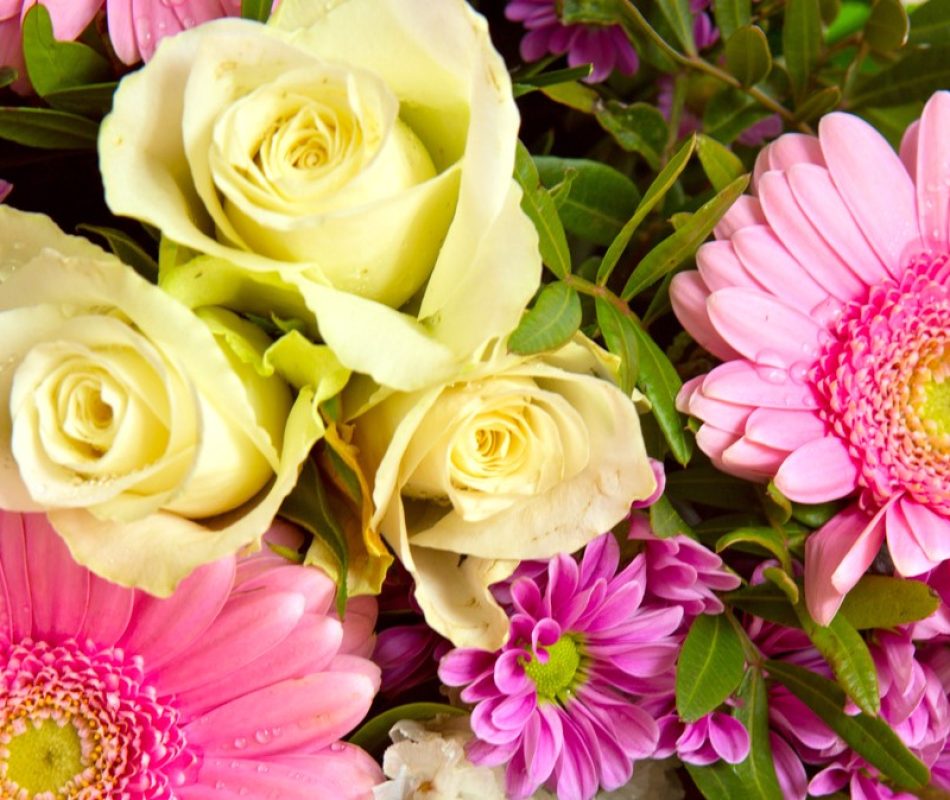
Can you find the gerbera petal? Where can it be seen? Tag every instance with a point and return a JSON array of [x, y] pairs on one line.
[[311, 712], [751, 457], [783, 429], [931, 530], [162, 628], [933, 171], [741, 382], [59, 587], [800, 238], [233, 639], [821, 203], [688, 295], [818, 471], [902, 543], [725, 416], [16, 579], [108, 612], [873, 183], [763, 255], [764, 329], [720, 267], [713, 441], [794, 148], [70, 17], [745, 211], [908, 150], [836, 556], [121, 31]]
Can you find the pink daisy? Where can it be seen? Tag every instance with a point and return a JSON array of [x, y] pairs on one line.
[[556, 703], [827, 294], [240, 684], [605, 47]]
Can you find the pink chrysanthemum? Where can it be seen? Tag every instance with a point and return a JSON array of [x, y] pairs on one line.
[[240, 684], [605, 47], [555, 703], [828, 295]]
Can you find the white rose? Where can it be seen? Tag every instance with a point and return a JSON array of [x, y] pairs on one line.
[[356, 153], [127, 418], [522, 458]]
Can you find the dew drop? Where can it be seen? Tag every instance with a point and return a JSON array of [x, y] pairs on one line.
[[240, 743], [799, 371], [262, 736], [769, 358]]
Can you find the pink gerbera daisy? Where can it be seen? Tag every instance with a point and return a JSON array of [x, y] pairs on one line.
[[556, 703], [240, 684], [828, 296]]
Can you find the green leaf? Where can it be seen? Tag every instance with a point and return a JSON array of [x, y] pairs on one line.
[[660, 383], [600, 199], [814, 516], [847, 655], [801, 41], [680, 18], [764, 600], [126, 249], [850, 19], [619, 332], [540, 208], [258, 10], [552, 321], [709, 486], [757, 772], [778, 508], [819, 103], [709, 668], [748, 56], [665, 521], [43, 128], [588, 12], [729, 112], [654, 194], [308, 506], [683, 243], [915, 77], [767, 539], [52, 65], [887, 28], [930, 23], [785, 582], [637, 128], [870, 737], [731, 15], [93, 100], [573, 95], [529, 84], [373, 735], [7, 76], [720, 164], [880, 601], [829, 11]]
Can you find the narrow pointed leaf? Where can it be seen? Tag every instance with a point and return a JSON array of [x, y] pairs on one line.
[[764, 600], [619, 333], [637, 128], [757, 772], [665, 520], [539, 206], [915, 77], [870, 737], [768, 539], [683, 243], [659, 381], [654, 194], [710, 666], [801, 41], [680, 18], [551, 322], [720, 164], [47, 129], [126, 249]]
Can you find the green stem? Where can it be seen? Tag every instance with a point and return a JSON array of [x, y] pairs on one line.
[[584, 286], [633, 16]]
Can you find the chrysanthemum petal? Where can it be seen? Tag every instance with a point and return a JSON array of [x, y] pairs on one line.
[[902, 543], [818, 471], [764, 329], [931, 530], [873, 183], [933, 170], [728, 737], [741, 383]]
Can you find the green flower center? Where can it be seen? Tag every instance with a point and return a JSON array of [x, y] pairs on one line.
[[933, 403], [44, 758], [557, 678]]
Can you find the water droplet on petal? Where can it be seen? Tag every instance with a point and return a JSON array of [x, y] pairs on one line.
[[240, 743]]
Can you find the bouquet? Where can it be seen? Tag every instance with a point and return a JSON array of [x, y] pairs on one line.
[[474, 400]]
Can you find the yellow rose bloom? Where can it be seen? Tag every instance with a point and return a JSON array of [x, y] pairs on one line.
[[522, 458], [356, 155]]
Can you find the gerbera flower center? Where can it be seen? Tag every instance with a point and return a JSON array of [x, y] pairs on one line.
[[883, 379], [78, 722], [556, 676]]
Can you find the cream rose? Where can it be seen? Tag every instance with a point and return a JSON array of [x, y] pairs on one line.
[[358, 153], [523, 458], [131, 420]]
